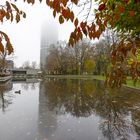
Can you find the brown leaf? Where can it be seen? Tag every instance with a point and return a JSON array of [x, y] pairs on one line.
[[101, 7], [126, 1], [61, 19], [83, 25], [80, 35], [5, 36], [17, 18], [33, 1], [75, 1], [117, 16], [9, 47], [71, 41], [120, 8], [78, 29], [2, 14], [66, 13], [7, 15], [71, 16], [11, 17], [134, 51], [48, 2], [15, 7], [64, 2], [73, 35], [93, 27], [76, 22], [85, 31], [90, 35], [8, 7], [131, 13], [1, 47], [54, 13], [98, 33]]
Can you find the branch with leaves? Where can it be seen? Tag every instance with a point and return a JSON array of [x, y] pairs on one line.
[[121, 15], [10, 12]]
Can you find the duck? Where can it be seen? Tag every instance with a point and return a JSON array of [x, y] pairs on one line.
[[18, 91]]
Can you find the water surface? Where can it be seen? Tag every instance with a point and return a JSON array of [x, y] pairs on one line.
[[68, 109]]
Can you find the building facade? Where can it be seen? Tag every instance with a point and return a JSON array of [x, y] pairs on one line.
[[49, 36]]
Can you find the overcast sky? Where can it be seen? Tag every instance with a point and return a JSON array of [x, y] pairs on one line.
[[25, 36]]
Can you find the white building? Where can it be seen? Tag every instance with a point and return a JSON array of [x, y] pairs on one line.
[[49, 35]]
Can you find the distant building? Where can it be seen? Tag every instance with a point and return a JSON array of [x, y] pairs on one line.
[[49, 36], [10, 64], [25, 72]]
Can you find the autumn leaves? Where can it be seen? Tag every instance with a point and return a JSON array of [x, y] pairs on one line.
[[10, 12]]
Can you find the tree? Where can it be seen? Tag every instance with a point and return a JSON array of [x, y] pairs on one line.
[[112, 13], [3, 59], [26, 65], [68, 60], [82, 52], [91, 26], [5, 99], [102, 56], [8, 11], [89, 66], [34, 65], [52, 64]]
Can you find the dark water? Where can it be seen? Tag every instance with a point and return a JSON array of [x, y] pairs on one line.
[[60, 109]]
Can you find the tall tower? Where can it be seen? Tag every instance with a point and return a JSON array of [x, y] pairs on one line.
[[49, 35]]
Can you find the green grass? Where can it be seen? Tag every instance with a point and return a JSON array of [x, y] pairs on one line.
[[98, 77], [129, 81], [130, 84]]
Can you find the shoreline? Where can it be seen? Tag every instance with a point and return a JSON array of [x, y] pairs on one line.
[[96, 77]]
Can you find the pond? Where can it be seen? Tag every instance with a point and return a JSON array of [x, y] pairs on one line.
[[68, 109]]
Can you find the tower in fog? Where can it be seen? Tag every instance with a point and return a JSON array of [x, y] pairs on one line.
[[49, 35]]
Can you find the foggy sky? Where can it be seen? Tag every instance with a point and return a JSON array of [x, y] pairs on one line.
[[25, 36], [49, 32]]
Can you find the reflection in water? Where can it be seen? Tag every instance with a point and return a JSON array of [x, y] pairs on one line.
[[19, 122], [26, 86], [47, 122], [82, 98], [68, 109], [5, 98]]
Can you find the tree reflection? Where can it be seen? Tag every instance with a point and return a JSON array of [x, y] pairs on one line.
[[27, 86], [81, 98], [136, 119], [69, 96], [115, 122], [5, 99]]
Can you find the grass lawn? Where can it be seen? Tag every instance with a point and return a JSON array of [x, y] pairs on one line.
[[98, 77], [129, 81]]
